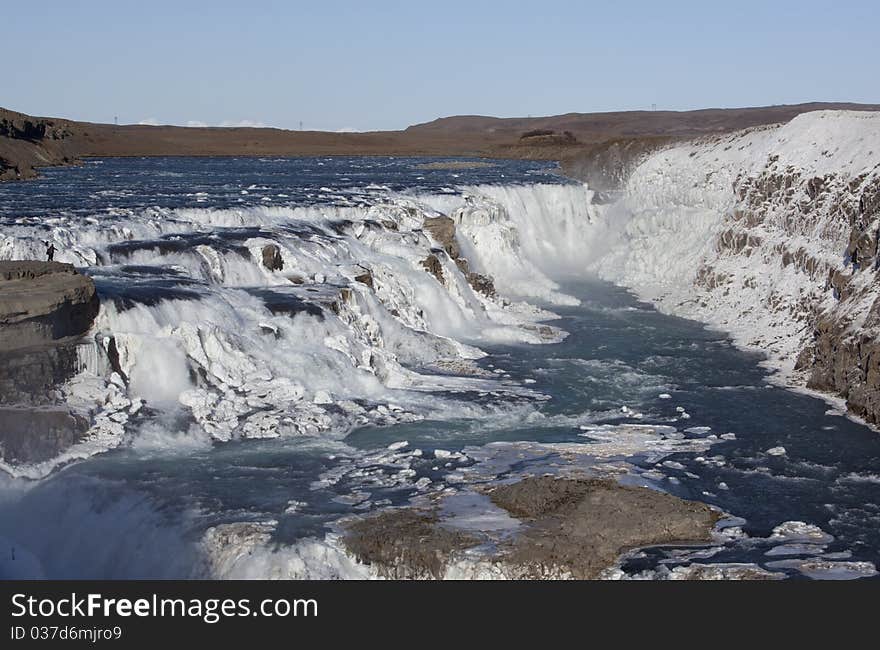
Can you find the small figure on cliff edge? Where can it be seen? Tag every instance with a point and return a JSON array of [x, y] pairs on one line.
[[50, 252]]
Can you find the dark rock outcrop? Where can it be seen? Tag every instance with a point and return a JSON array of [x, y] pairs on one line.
[[272, 259], [30, 376], [44, 308], [846, 362], [365, 278], [36, 422], [43, 302], [442, 230], [482, 283], [405, 543], [433, 266], [582, 525], [29, 142], [29, 435]]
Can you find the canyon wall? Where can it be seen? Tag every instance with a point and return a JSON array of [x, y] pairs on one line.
[[770, 233]]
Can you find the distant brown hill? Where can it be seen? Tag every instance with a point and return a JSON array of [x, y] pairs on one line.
[[28, 142], [595, 127]]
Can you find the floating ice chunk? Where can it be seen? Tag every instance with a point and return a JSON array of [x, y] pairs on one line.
[[680, 409], [294, 506], [776, 451], [820, 569], [791, 531], [394, 446], [136, 405], [855, 477], [353, 498], [796, 549], [322, 397], [664, 396], [728, 436], [840, 555], [720, 571]]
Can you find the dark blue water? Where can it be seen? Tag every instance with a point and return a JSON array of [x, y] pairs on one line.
[[105, 186], [623, 352]]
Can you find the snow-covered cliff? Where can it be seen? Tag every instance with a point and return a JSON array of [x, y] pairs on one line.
[[770, 233]]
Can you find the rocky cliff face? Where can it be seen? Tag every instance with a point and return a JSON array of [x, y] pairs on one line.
[[30, 142], [844, 353], [43, 302], [44, 308]]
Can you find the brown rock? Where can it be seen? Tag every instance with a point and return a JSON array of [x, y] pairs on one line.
[[272, 259], [577, 527], [434, 267], [482, 284], [365, 278], [405, 543], [581, 526], [442, 229], [43, 302], [29, 435]]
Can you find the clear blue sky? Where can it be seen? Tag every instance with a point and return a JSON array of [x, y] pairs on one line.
[[381, 65]]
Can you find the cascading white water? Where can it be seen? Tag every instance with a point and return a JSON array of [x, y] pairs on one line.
[[199, 325]]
